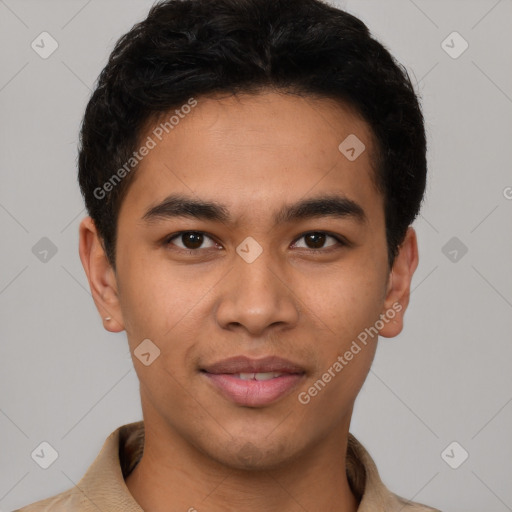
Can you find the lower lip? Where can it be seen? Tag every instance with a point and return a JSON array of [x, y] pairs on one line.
[[254, 393]]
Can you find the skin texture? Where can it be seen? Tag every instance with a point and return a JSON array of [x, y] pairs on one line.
[[254, 154]]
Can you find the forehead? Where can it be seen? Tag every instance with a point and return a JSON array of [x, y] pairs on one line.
[[251, 151]]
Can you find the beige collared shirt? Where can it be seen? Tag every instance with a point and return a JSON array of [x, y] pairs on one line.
[[103, 487]]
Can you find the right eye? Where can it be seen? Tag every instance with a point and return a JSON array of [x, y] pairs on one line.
[[191, 241]]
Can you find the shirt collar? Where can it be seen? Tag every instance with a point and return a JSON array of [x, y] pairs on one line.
[[103, 486]]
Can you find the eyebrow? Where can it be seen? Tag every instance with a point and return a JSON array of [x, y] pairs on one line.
[[331, 205]]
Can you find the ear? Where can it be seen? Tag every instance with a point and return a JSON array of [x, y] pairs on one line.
[[399, 286], [101, 276]]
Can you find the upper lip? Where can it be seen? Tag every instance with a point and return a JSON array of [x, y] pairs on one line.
[[243, 364]]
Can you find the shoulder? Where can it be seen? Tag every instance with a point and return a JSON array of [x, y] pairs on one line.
[[368, 486], [411, 506], [71, 500], [103, 483]]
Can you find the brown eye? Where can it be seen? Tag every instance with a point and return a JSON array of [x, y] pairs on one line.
[[191, 240], [317, 239]]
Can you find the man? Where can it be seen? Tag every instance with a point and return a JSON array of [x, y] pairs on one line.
[[251, 169]]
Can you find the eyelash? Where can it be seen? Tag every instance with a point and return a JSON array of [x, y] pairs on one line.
[[342, 242]]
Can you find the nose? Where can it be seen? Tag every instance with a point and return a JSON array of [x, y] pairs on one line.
[[256, 296]]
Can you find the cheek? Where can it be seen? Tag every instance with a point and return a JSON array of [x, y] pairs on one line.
[[161, 301], [344, 302], [345, 350], [165, 303]]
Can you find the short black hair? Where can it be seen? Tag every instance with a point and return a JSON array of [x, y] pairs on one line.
[[191, 48]]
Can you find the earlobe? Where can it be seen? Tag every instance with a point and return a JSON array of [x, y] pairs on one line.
[[101, 276], [399, 285]]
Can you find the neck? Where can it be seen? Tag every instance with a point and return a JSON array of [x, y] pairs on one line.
[[172, 471]]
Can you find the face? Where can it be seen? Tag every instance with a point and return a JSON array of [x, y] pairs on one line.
[[247, 233]]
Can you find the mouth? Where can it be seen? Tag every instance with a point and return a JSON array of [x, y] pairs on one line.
[[254, 382]]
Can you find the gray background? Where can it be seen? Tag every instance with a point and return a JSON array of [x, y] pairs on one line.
[[446, 378]]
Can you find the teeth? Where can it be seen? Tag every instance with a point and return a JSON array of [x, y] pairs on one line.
[[266, 376], [258, 376], [245, 376]]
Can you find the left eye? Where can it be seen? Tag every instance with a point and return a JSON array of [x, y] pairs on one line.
[[316, 240]]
